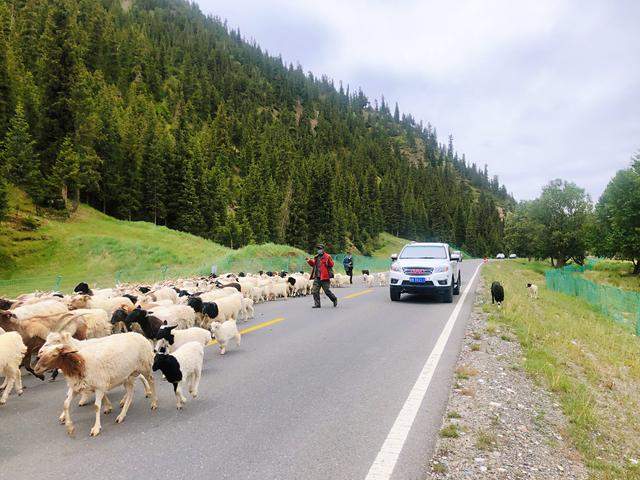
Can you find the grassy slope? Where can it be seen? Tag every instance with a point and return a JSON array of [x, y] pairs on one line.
[[614, 273], [388, 244], [588, 361], [92, 247]]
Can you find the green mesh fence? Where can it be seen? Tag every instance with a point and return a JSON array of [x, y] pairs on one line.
[[621, 305]]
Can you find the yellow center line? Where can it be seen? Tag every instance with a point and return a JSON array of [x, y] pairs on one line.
[[255, 327], [357, 294]]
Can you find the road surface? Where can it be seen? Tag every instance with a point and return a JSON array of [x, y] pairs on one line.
[[310, 394]]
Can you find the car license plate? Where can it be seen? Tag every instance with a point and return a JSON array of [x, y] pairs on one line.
[[417, 279]]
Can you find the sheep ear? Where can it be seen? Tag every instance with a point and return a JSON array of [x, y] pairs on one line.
[[164, 323]]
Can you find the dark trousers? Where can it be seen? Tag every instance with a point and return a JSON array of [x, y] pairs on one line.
[[325, 285], [349, 271]]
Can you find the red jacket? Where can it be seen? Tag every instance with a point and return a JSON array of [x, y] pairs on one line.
[[326, 262]]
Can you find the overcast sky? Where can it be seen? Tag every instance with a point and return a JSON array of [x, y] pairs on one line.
[[537, 90]]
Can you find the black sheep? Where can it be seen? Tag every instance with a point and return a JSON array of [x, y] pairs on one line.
[[83, 288], [133, 298], [365, 272], [149, 324], [497, 293], [207, 309]]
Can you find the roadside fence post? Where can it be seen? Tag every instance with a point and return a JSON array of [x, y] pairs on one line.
[[56, 287]]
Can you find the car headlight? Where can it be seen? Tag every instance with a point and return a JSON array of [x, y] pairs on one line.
[[395, 268], [441, 269]]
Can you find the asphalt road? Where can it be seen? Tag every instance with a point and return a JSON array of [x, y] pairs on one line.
[[313, 395]]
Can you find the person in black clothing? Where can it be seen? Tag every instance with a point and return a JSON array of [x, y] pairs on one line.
[[347, 263]]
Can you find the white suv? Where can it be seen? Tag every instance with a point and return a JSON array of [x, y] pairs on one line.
[[425, 268]]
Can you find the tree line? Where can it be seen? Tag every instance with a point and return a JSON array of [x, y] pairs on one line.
[[150, 110], [564, 226]]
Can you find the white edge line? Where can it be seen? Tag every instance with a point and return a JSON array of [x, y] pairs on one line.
[[385, 462]]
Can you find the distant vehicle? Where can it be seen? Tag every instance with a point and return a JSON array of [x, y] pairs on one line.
[[513, 255], [500, 256], [425, 268]]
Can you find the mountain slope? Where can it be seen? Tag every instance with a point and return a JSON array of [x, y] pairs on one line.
[[155, 112]]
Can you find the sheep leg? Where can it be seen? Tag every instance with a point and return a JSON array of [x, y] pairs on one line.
[[145, 384], [237, 337], [180, 398], [108, 408], [18, 381], [4, 384], [195, 382], [95, 431], [84, 399], [127, 402], [66, 416], [152, 389], [11, 380], [223, 348]]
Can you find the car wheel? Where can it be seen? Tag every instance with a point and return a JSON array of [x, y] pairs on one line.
[[456, 289], [394, 293], [448, 296]]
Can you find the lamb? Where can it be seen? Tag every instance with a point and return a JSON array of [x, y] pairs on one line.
[[368, 280], [98, 366], [223, 332], [12, 350], [279, 290], [533, 290], [171, 339], [184, 365], [497, 293]]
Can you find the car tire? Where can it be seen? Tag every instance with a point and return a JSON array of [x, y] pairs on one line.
[[394, 294], [456, 289], [448, 295]]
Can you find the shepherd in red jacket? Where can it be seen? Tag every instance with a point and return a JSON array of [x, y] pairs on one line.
[[321, 274]]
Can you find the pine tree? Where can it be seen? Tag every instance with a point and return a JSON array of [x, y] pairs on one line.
[[19, 157]]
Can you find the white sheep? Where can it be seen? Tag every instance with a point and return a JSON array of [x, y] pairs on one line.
[[181, 315], [229, 308], [368, 280], [98, 366], [108, 304], [223, 332], [171, 339], [95, 320], [381, 277], [164, 293], [247, 309], [184, 365], [533, 290], [12, 350], [43, 308]]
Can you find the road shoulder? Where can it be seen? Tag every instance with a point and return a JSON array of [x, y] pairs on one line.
[[498, 423]]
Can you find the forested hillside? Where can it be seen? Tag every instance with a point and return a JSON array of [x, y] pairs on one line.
[[148, 110]]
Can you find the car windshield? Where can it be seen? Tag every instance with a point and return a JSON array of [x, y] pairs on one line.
[[424, 251]]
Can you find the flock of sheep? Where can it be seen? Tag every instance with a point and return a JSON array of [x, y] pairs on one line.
[[103, 338]]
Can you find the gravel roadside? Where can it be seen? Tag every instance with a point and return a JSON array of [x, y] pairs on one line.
[[498, 423]]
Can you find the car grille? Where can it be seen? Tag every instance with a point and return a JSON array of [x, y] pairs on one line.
[[417, 270]]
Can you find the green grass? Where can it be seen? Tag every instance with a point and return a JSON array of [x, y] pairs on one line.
[[589, 362], [450, 431], [93, 247], [486, 440], [614, 273], [386, 244]]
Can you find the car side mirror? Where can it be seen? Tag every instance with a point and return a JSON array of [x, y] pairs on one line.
[[394, 257]]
